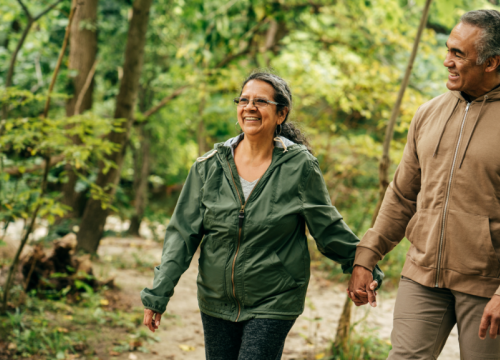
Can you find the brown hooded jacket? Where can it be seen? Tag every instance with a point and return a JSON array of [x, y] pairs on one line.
[[445, 197]]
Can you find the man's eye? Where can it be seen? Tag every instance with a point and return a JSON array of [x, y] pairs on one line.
[[244, 100]]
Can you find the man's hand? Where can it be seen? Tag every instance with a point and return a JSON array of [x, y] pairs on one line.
[[151, 323], [491, 318], [362, 287]]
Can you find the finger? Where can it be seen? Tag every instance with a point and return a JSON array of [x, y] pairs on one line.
[[372, 299], [148, 314], [373, 285], [362, 295], [493, 329], [485, 322], [157, 320]]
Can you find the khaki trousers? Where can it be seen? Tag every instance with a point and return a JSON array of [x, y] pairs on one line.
[[425, 316]]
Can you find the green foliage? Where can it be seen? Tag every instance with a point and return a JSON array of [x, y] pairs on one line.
[[361, 347]]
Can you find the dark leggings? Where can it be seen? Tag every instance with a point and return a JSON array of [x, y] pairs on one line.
[[256, 339]]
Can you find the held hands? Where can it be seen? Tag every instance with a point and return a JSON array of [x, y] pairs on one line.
[[491, 318], [362, 287], [151, 323]]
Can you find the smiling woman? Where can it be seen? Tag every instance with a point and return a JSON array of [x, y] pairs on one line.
[[250, 200]]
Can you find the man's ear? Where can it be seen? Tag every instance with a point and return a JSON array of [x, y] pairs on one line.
[[492, 64]]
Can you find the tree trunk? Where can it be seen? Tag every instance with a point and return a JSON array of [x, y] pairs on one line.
[[82, 55], [202, 144], [94, 216], [344, 327], [344, 323], [141, 174], [385, 161]]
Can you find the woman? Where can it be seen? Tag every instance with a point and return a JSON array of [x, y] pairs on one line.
[[246, 204]]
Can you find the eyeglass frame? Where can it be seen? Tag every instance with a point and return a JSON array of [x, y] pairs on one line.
[[253, 102]]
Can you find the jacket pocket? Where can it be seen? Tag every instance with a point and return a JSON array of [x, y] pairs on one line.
[[211, 276], [423, 233], [468, 248], [264, 276]]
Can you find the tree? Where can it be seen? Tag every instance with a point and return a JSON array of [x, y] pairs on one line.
[[94, 216], [82, 58], [31, 20]]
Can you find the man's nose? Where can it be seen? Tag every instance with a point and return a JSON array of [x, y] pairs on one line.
[[448, 62]]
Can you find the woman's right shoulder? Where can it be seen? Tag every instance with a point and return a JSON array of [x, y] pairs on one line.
[[205, 163]]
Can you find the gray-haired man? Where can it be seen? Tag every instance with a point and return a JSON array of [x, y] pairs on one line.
[[445, 197]]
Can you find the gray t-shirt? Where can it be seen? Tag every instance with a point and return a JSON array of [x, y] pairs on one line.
[[247, 187]]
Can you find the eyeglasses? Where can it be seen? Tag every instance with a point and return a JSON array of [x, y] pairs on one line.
[[260, 103]]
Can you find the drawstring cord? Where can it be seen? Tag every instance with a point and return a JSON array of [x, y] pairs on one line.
[[444, 128], [472, 132], [203, 158], [277, 138]]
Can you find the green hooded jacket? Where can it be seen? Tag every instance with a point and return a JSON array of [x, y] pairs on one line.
[[254, 260]]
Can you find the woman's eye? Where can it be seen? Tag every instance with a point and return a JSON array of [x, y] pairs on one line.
[[261, 101]]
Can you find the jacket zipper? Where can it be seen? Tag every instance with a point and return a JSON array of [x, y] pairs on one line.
[[448, 197], [240, 226]]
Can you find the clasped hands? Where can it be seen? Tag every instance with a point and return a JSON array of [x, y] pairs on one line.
[[362, 287]]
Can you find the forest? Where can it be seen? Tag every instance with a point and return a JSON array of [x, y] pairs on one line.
[[106, 104]]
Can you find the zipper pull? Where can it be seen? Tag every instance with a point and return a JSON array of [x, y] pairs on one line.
[[241, 216]]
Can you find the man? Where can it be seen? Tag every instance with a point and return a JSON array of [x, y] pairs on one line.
[[445, 197]]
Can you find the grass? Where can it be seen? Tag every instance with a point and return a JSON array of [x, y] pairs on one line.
[[361, 348], [59, 329]]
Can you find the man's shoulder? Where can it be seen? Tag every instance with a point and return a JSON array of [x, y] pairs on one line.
[[439, 101]]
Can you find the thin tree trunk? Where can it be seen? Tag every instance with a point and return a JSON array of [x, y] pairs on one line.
[[202, 144], [344, 327], [82, 58], [12, 64], [344, 323], [141, 175], [94, 216], [43, 186], [385, 161]]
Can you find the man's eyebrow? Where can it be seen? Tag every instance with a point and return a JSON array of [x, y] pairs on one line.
[[458, 51]]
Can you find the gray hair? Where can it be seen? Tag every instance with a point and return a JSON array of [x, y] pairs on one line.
[[488, 44], [283, 96]]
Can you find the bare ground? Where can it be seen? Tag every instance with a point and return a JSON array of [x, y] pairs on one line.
[[181, 336]]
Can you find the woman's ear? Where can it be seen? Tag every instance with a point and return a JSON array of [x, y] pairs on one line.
[[282, 116]]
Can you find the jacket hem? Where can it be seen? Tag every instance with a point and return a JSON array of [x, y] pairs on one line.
[[248, 315], [476, 285]]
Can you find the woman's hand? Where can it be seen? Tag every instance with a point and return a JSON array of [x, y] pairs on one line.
[[362, 287], [152, 319]]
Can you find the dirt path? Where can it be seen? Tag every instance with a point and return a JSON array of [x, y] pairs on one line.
[[312, 332]]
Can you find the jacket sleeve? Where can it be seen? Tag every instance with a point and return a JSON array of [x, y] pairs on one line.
[[182, 238], [333, 237], [398, 207]]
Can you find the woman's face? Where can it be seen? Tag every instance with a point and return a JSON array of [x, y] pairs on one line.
[[259, 121]]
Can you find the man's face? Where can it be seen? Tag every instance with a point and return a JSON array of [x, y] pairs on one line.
[[464, 74]]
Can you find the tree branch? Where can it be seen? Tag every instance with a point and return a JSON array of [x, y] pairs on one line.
[[50, 7], [25, 9], [85, 87], [15, 171], [59, 61], [165, 101]]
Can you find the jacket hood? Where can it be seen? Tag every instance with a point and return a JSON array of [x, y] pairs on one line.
[[284, 149]]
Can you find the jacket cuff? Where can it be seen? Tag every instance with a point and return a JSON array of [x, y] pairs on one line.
[[498, 291], [366, 258]]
